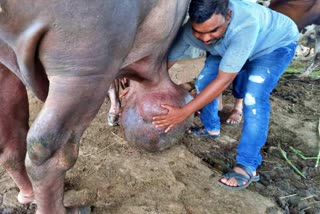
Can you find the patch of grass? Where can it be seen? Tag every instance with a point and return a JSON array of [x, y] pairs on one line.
[[284, 155], [298, 67]]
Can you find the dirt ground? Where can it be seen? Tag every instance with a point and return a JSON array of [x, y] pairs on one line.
[[112, 177]]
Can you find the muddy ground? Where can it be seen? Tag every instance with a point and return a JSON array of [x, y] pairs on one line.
[[110, 176]]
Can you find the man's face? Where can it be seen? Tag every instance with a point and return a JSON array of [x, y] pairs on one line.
[[212, 29]]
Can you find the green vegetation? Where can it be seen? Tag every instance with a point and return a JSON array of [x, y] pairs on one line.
[[284, 155], [298, 67]]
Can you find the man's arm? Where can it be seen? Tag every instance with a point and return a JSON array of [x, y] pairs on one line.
[[177, 115], [209, 93]]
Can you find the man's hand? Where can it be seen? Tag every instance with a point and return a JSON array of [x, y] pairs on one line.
[[211, 91], [175, 116]]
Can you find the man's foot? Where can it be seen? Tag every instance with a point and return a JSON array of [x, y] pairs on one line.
[[234, 118], [202, 132], [240, 177]]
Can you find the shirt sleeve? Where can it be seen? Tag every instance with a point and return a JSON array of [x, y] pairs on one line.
[[178, 47], [239, 49]]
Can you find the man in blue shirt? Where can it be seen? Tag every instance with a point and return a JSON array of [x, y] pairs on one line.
[[245, 41]]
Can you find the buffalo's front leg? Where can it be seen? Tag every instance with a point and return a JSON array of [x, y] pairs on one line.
[[53, 139], [14, 115]]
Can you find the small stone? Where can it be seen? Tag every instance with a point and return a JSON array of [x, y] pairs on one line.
[[259, 187]]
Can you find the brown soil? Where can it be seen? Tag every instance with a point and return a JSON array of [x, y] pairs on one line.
[[112, 177]]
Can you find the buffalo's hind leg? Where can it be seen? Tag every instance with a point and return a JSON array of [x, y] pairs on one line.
[[53, 139], [14, 116], [316, 60]]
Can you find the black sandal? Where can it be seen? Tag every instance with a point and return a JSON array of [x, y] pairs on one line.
[[201, 132]]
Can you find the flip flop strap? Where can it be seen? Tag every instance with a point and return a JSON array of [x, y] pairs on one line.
[[246, 169], [199, 131], [241, 179]]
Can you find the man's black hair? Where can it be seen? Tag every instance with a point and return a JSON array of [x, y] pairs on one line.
[[201, 10]]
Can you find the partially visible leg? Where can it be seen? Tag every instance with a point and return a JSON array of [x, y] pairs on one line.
[[14, 116], [220, 102], [209, 114], [53, 139], [114, 111], [236, 113], [115, 99], [238, 104], [238, 94], [316, 60], [263, 75]]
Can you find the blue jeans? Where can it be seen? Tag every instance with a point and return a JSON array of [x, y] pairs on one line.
[[254, 83]]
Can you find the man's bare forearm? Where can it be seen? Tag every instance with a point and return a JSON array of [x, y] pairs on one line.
[[210, 92]]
